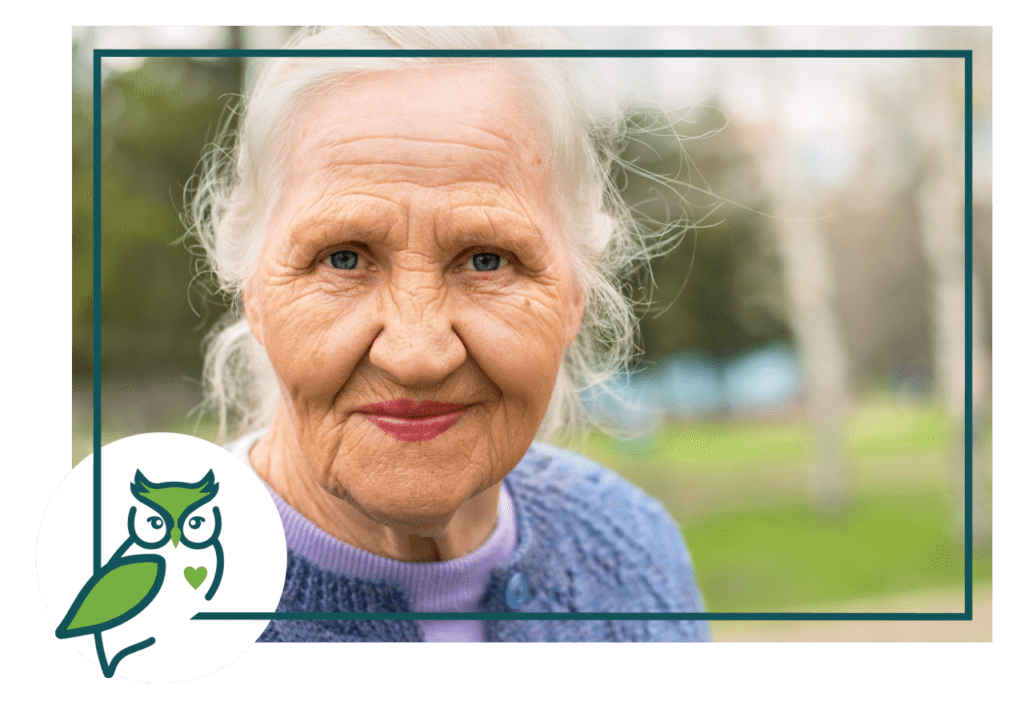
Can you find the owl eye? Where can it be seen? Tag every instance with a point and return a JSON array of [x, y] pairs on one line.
[[147, 528], [198, 528]]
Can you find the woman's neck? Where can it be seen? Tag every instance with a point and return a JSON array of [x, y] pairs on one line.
[[278, 460]]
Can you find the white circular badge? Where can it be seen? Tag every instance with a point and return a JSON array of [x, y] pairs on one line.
[[184, 527]]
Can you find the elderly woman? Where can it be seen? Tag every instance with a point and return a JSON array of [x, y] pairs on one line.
[[424, 250]]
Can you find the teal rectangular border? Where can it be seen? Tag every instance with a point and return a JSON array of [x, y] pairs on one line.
[[966, 55]]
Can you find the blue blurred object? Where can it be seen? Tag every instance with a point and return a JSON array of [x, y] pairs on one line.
[[691, 384], [911, 381], [763, 380], [627, 403]]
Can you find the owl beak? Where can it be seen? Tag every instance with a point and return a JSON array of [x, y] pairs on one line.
[[175, 536]]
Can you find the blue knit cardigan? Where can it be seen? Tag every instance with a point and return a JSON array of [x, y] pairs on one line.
[[589, 542]]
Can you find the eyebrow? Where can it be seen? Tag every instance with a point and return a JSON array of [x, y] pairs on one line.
[[468, 224], [346, 218]]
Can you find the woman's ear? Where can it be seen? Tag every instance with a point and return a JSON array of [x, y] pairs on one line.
[[253, 313]]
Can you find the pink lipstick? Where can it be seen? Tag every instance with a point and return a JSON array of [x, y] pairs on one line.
[[406, 420]]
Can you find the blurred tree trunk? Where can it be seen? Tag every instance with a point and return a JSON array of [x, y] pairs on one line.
[[939, 199], [808, 268], [810, 281]]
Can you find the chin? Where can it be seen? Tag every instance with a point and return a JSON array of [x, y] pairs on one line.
[[418, 491], [410, 502], [425, 519]]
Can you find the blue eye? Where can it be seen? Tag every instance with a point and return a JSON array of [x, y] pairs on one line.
[[345, 260], [156, 522], [195, 522], [486, 261]]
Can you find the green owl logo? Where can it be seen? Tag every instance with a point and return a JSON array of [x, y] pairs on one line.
[[174, 513]]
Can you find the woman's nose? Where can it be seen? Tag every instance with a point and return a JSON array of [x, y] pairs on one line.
[[417, 345]]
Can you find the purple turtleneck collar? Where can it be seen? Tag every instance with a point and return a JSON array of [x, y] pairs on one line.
[[432, 587]]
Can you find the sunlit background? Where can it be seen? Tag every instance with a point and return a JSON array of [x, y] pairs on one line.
[[799, 406]]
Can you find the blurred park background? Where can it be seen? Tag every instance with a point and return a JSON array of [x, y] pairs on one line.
[[799, 405]]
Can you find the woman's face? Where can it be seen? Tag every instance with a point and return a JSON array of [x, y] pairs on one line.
[[415, 258]]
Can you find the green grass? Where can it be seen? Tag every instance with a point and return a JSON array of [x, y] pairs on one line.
[[774, 558], [884, 427], [889, 445], [739, 489], [726, 447]]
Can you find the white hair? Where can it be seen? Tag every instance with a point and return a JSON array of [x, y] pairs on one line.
[[240, 184]]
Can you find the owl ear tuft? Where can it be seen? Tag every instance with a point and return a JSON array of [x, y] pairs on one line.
[[140, 484], [208, 484]]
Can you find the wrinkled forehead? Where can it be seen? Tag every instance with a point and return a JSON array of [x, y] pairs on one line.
[[430, 126]]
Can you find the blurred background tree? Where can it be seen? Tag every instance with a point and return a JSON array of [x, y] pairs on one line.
[[718, 292], [153, 314]]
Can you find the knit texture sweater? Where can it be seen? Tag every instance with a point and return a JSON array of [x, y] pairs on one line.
[[589, 542]]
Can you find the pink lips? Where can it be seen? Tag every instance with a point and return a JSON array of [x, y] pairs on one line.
[[406, 420]]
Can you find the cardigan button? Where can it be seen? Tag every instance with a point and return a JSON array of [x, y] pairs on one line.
[[517, 591]]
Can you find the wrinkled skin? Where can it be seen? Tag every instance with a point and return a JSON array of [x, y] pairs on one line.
[[415, 173]]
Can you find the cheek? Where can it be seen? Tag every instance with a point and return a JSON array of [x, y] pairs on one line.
[[518, 345], [315, 342]]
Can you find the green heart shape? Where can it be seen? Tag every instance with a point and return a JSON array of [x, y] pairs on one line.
[[195, 577]]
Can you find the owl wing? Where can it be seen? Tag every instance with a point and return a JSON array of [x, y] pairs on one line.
[[118, 592]]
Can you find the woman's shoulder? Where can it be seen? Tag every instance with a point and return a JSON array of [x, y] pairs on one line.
[[580, 481], [592, 541], [558, 491]]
